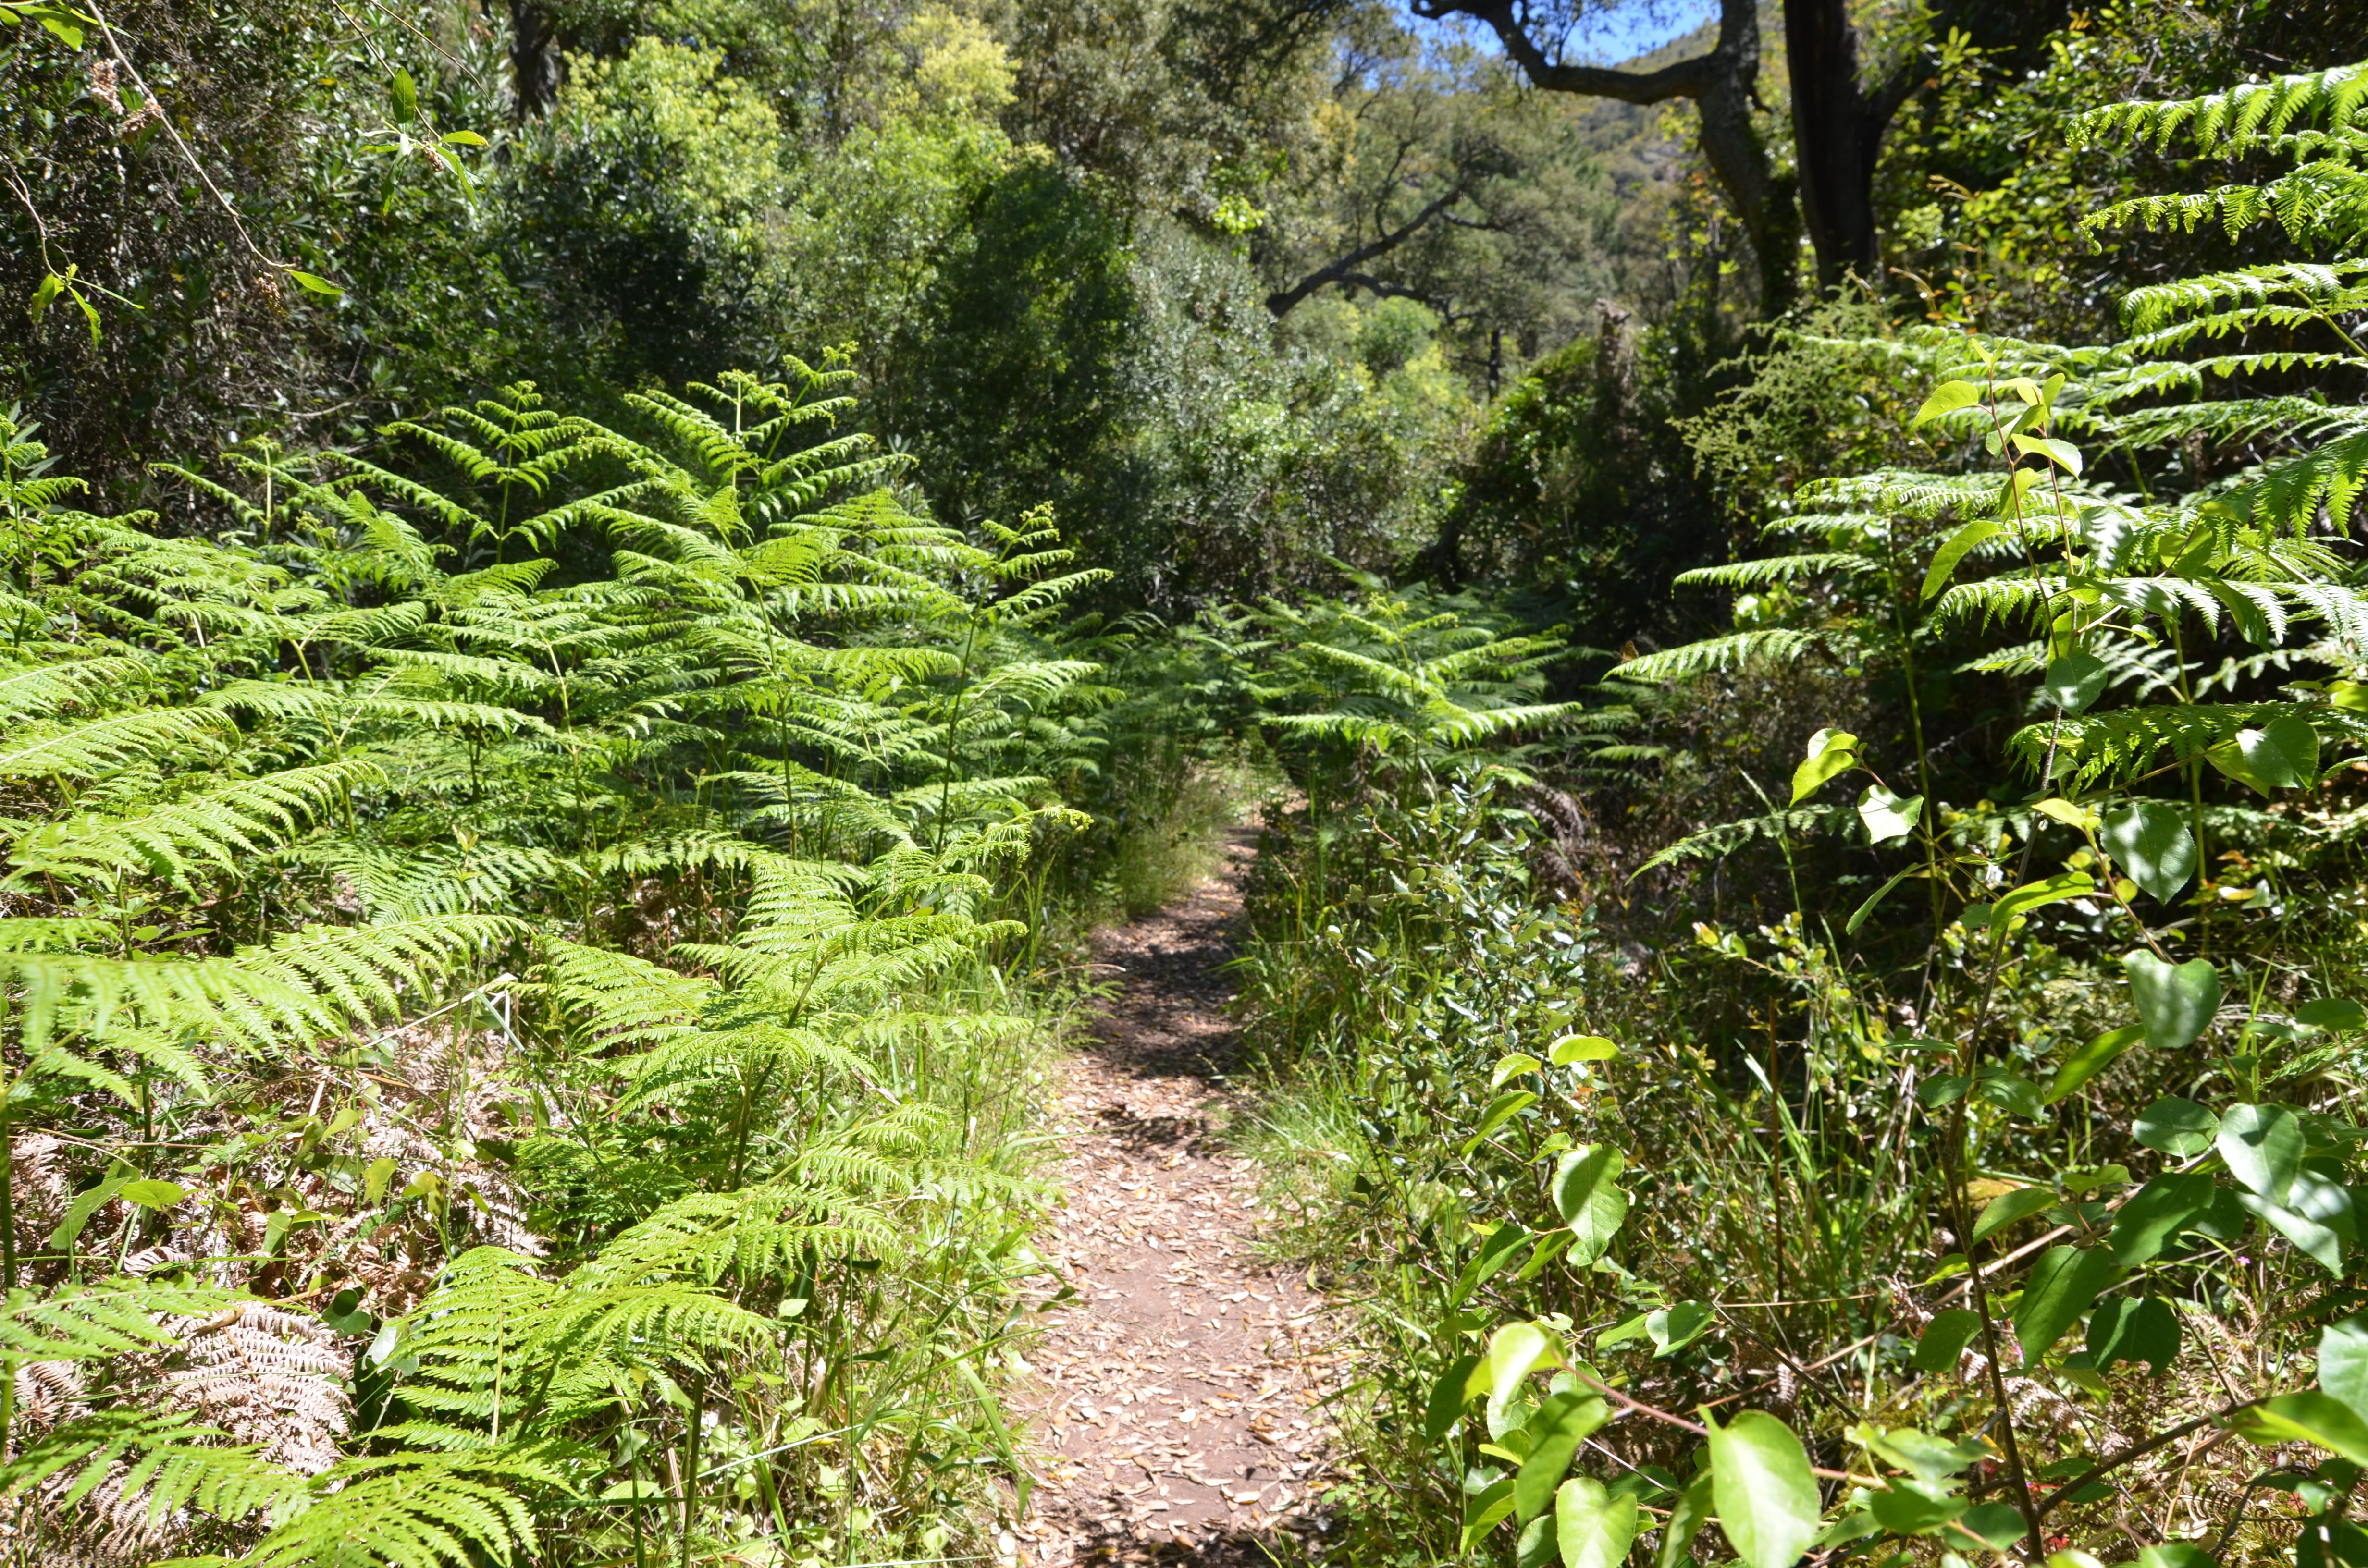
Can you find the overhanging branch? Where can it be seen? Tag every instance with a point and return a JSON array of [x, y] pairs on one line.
[[1282, 301]]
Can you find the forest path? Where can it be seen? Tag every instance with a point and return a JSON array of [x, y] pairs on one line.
[[1176, 1419]]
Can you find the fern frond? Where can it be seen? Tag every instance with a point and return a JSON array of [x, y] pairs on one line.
[[1719, 842], [1776, 645], [220, 826], [2236, 120], [42, 689], [1775, 569], [414, 1510], [97, 746]]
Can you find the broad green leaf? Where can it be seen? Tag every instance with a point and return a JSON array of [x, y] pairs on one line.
[[1909, 1510], [1494, 1253], [2090, 1060], [2312, 1235], [1831, 752], [2263, 1146], [1941, 1089], [1859, 917], [2156, 1212], [2063, 454], [1512, 1066], [1586, 1196], [2019, 483], [2337, 1015], [1947, 398], [1593, 1528], [2079, 819], [153, 1194], [1549, 1247], [1888, 816], [1687, 1517], [1674, 1328], [2175, 1001], [1501, 1109], [312, 284], [1624, 1332], [2038, 895], [1931, 1458], [2343, 1362], [1514, 1352], [1563, 1422], [1945, 1338], [2062, 1284], [1999, 1525], [464, 139], [1484, 1510], [403, 97], [2140, 1328], [1946, 559], [1767, 1500], [1448, 1397], [2178, 1128], [86, 1204], [2008, 1208], [2149, 840], [1584, 1048], [2310, 1416], [345, 1314], [1848, 1528], [375, 1178], [2282, 755], [2012, 1092]]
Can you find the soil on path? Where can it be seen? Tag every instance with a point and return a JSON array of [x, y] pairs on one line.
[[1178, 1418]]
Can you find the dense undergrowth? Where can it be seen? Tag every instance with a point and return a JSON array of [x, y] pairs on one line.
[[529, 985], [1654, 1150]]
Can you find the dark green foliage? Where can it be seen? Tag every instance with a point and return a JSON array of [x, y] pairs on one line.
[[1013, 375], [1581, 492], [196, 329]]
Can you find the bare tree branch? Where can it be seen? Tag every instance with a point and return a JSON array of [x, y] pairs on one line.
[[1721, 83], [1282, 301]]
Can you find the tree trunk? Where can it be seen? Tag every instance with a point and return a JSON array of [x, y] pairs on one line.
[[1837, 132], [1761, 198], [534, 61]]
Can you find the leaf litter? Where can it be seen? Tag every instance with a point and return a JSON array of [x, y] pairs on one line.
[[1178, 1413]]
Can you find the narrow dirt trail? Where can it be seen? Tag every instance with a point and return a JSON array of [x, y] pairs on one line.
[[1177, 1417]]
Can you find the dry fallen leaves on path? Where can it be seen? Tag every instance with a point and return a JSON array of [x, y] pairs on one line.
[[1179, 1416]]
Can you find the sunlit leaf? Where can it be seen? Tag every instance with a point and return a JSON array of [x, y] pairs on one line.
[[2149, 840], [1586, 1196], [1563, 1422], [1831, 752], [1767, 1500], [2175, 1001], [1592, 1527]]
